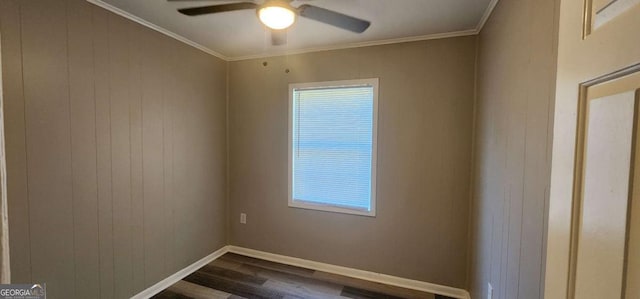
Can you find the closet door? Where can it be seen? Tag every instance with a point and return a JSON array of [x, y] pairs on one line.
[[607, 185]]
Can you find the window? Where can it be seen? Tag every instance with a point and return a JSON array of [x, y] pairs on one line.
[[332, 146]]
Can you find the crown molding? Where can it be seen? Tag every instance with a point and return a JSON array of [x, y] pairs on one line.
[[361, 44], [486, 15], [475, 31], [152, 26]]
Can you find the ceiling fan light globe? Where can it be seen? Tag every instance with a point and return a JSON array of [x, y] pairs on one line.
[[276, 17]]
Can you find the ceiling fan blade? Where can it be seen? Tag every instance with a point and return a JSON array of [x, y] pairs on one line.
[[278, 37], [202, 10], [333, 18]]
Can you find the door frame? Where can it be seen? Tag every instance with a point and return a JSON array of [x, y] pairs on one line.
[[5, 265], [608, 85]]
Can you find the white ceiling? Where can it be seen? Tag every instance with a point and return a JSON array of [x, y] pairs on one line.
[[239, 34]]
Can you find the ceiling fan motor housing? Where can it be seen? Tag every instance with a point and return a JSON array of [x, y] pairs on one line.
[[277, 14]]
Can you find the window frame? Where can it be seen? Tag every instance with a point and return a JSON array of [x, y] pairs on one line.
[[373, 82]]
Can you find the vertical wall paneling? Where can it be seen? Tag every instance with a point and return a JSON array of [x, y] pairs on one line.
[[152, 155], [120, 153], [515, 86], [83, 145], [92, 102], [46, 96], [15, 143], [169, 93], [539, 123], [181, 212], [103, 150], [137, 196]]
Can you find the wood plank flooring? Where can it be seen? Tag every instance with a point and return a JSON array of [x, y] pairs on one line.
[[235, 276]]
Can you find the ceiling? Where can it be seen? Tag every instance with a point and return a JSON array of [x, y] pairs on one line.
[[240, 35]]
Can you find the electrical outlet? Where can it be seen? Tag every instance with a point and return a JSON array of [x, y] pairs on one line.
[[243, 218], [489, 291]]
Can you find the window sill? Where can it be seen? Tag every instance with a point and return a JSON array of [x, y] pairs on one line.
[[329, 208]]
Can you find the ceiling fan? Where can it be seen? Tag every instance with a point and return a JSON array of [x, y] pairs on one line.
[[280, 15]]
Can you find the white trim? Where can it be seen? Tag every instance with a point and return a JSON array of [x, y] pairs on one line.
[[475, 31], [373, 82], [167, 282], [361, 44], [486, 15], [354, 273], [5, 258], [152, 26]]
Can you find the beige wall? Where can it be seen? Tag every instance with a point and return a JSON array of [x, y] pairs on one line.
[[116, 149], [515, 92], [424, 152]]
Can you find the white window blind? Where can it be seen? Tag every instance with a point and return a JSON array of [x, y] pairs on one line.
[[332, 146]]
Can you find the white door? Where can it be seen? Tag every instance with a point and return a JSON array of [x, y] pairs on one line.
[[593, 247]]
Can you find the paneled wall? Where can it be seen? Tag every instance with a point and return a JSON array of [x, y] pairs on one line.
[[116, 146], [423, 172], [513, 131]]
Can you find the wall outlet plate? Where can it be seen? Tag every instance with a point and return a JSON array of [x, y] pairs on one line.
[[489, 291], [243, 218]]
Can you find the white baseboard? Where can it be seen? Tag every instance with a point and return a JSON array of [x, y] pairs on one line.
[[354, 273], [167, 282], [318, 266]]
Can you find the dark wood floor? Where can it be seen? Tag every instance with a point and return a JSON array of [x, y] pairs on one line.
[[237, 276]]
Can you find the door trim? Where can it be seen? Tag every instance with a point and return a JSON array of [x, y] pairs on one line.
[[5, 272]]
